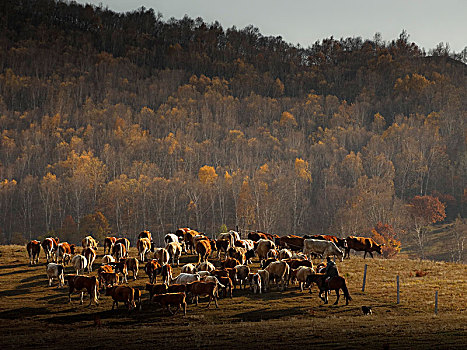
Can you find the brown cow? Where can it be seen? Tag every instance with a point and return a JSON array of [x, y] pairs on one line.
[[34, 249], [144, 246], [108, 278], [126, 245], [145, 234], [294, 243], [256, 236], [105, 268], [296, 263], [65, 251], [188, 239], [82, 283], [90, 255], [119, 251], [238, 253], [155, 289], [109, 244], [359, 244], [166, 273], [132, 265], [201, 288], [176, 288], [122, 293], [228, 285], [152, 269], [229, 262], [203, 249], [50, 246], [222, 245], [176, 299]]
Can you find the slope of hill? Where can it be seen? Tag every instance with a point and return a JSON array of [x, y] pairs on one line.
[[35, 315]]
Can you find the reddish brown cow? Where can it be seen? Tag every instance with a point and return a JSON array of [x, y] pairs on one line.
[[203, 249], [104, 268], [119, 251], [294, 243], [65, 251], [228, 285], [229, 262], [155, 289], [360, 244], [188, 239], [152, 269], [126, 245], [108, 278], [256, 236], [175, 299], [81, 284], [201, 288], [109, 244], [124, 294], [176, 288], [50, 246], [34, 249], [296, 263], [145, 234]]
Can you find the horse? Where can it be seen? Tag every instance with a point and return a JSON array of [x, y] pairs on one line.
[[334, 283]]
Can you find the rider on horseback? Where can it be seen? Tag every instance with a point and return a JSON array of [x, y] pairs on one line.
[[330, 271]]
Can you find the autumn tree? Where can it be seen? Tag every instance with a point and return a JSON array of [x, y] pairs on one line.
[[424, 210], [385, 235]]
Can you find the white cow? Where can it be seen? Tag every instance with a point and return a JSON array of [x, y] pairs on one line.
[[255, 282], [55, 271], [162, 255], [185, 278], [188, 268], [325, 248], [279, 270], [175, 250], [79, 263], [301, 274]]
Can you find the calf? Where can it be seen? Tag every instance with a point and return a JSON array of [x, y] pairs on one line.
[[155, 289], [34, 249], [124, 294], [264, 279], [226, 285], [81, 284], [175, 299], [55, 271], [242, 272], [200, 288], [64, 252], [255, 282], [175, 250], [166, 273]]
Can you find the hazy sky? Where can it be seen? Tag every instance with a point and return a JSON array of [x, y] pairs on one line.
[[428, 22]]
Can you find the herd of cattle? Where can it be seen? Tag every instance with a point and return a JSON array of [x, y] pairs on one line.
[[283, 260]]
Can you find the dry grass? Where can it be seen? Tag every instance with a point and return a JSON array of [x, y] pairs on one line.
[[35, 315]]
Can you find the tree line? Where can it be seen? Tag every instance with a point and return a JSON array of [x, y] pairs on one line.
[[117, 122]]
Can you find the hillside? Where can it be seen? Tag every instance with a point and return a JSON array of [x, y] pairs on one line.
[[35, 315], [122, 122]]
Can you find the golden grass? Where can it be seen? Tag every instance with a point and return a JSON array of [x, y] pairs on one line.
[[35, 315]]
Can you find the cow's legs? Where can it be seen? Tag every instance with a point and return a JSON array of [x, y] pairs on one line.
[[82, 297], [371, 255]]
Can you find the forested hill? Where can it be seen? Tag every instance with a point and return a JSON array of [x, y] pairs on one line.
[[125, 122]]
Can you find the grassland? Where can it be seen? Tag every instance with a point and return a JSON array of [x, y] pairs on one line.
[[33, 315]]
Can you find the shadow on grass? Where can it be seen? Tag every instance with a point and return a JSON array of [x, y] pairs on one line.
[[12, 266], [268, 314], [14, 292], [24, 312]]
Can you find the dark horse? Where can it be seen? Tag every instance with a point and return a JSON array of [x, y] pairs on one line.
[[335, 283]]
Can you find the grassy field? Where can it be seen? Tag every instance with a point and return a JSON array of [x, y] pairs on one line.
[[33, 315]]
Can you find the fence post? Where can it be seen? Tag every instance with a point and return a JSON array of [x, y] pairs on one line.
[[397, 280], [364, 278], [436, 302]]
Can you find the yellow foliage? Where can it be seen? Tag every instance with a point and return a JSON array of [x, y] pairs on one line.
[[207, 175], [287, 120], [264, 169], [301, 169]]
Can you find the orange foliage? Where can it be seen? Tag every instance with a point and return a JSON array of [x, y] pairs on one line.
[[385, 234]]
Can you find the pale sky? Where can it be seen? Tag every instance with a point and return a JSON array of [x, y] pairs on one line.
[[428, 22]]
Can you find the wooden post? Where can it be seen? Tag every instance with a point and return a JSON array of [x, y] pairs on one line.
[[397, 280], [364, 278], [436, 302]]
